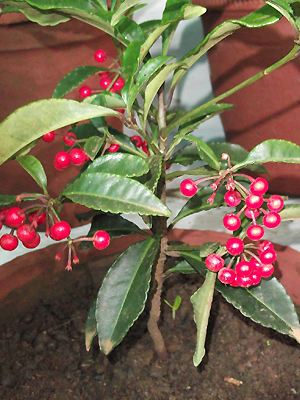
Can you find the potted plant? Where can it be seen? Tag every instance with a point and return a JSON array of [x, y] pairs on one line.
[[120, 174]]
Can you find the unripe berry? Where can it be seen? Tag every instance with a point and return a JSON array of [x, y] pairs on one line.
[[77, 156], [137, 140], [48, 137], [231, 222], [26, 233], [119, 84], [235, 246], [243, 268], [85, 91], [232, 198], [275, 203], [226, 276], [8, 242], [34, 243], [61, 160], [70, 139], [255, 232], [251, 213], [60, 230], [259, 187], [214, 262], [100, 56], [271, 220], [253, 201], [268, 256], [113, 148], [14, 217], [105, 82], [101, 240], [188, 187]]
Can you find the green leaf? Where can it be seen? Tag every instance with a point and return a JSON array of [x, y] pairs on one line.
[[85, 131], [74, 78], [202, 301], [199, 203], [155, 167], [290, 212], [93, 145], [151, 39], [34, 168], [267, 304], [107, 99], [130, 59], [122, 296], [206, 153], [185, 156], [115, 194], [129, 30], [7, 199], [124, 6], [120, 164], [272, 151], [176, 10], [182, 267], [200, 171], [208, 248], [30, 122], [90, 331], [115, 225], [125, 143]]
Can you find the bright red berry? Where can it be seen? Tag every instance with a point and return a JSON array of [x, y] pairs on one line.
[[34, 243], [105, 82], [188, 187], [101, 240], [85, 91], [266, 271], [14, 217], [255, 232], [275, 203], [26, 233], [231, 222], [266, 245], [235, 246], [255, 276], [37, 218], [61, 160], [214, 262], [232, 198], [121, 110], [70, 139], [113, 148], [119, 84], [268, 256], [77, 156], [8, 242], [271, 220], [100, 56], [226, 276], [253, 201], [48, 137], [251, 213], [145, 148], [243, 268], [244, 281], [60, 230], [137, 140], [259, 187]]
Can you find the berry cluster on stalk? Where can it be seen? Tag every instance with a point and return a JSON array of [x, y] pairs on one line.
[[246, 258]]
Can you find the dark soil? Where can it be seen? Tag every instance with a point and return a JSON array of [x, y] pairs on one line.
[[43, 355]]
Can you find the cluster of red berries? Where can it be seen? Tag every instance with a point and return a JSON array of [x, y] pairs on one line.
[[248, 261]]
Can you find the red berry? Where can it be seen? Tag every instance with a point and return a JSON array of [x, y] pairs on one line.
[[251, 213], [235, 282], [121, 110], [61, 160], [85, 91], [268, 256], [255, 276], [259, 187], [113, 148], [226, 275], [231, 222], [137, 140], [188, 187], [266, 270], [48, 137], [243, 268], [255, 232], [100, 56], [101, 240], [266, 245], [37, 218], [104, 74], [271, 220], [214, 262], [232, 198], [8, 242], [3, 214], [119, 84], [275, 203], [1, 225], [77, 156], [26, 233], [253, 201], [34, 243], [14, 217], [60, 230], [70, 139], [235, 246], [244, 281], [105, 82]]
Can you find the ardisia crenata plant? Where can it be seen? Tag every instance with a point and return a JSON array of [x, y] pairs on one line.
[[121, 174]]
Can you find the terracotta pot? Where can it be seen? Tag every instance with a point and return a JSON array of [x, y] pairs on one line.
[[269, 108]]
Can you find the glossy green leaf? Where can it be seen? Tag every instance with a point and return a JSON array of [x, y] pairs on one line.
[[206, 153], [176, 10], [90, 331], [208, 248], [202, 301], [272, 151], [30, 122], [200, 171], [155, 167], [7, 199], [74, 78], [193, 11], [125, 143], [121, 164], [115, 194], [199, 203], [122, 296], [124, 6], [185, 156], [182, 267], [93, 145], [129, 30], [85, 131], [130, 59], [151, 39], [290, 212], [35, 169], [107, 99], [115, 225]]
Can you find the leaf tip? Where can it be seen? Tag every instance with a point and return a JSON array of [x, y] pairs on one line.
[[296, 334], [107, 346]]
